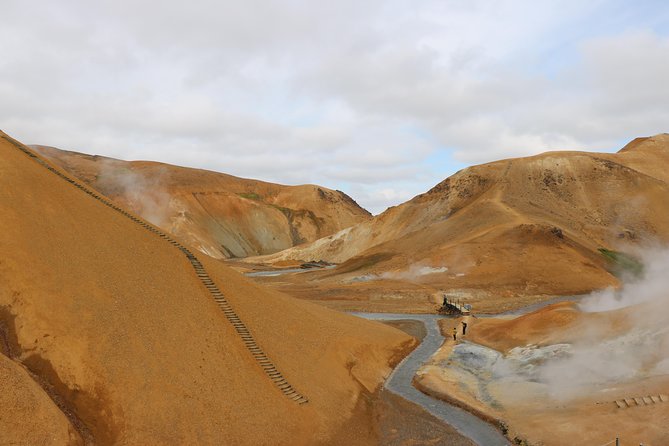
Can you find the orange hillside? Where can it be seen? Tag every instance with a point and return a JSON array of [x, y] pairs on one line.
[[112, 333], [525, 226], [221, 215]]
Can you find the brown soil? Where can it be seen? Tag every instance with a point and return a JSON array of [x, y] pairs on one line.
[[388, 296], [377, 297], [29, 416], [401, 423], [116, 321], [526, 227], [221, 215], [411, 327], [561, 322]]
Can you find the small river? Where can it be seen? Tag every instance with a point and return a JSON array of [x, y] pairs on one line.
[[274, 273], [281, 272], [400, 382]]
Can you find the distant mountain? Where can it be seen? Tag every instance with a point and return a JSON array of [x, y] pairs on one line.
[[555, 223], [221, 215]]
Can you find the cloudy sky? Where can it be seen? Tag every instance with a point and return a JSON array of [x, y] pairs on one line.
[[379, 98]]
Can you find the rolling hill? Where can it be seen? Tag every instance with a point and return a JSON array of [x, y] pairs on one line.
[[114, 332], [555, 223], [221, 215]]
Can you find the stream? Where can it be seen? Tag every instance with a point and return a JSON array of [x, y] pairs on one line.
[[400, 382], [274, 273], [281, 272]]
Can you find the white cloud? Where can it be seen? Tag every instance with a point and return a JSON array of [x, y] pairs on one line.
[[378, 199], [352, 95]]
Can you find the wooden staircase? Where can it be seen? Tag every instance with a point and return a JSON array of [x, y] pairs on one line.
[[242, 330], [627, 403]]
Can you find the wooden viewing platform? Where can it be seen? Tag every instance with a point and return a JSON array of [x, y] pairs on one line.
[[454, 307]]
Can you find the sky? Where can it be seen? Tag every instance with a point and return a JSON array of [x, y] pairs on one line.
[[381, 99]]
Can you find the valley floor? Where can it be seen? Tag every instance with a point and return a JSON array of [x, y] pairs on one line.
[[381, 296], [461, 373]]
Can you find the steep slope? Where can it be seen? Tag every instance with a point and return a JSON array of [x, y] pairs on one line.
[[39, 419], [221, 215], [137, 341], [529, 225]]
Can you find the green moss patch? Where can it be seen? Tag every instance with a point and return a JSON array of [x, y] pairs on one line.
[[622, 263], [250, 196]]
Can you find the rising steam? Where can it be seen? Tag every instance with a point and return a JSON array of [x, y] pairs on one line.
[[412, 274], [145, 195], [629, 342]]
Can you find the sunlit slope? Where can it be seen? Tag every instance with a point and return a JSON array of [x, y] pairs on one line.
[[113, 321], [221, 215], [531, 224], [30, 416]]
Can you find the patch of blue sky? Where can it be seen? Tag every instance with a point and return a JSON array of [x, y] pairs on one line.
[[558, 48], [619, 144], [442, 164]]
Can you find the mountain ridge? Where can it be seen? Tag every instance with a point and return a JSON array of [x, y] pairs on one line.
[[523, 225], [221, 215]]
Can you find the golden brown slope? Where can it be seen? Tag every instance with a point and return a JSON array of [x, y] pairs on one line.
[[221, 215], [117, 324], [529, 225], [30, 416]]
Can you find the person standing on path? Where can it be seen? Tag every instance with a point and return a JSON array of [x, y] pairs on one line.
[[455, 333], [464, 328]]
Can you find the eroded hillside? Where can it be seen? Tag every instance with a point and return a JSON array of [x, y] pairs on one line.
[[112, 332], [547, 224], [221, 215]]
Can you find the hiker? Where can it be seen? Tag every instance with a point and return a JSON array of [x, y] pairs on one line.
[[445, 301], [464, 328], [455, 333]]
